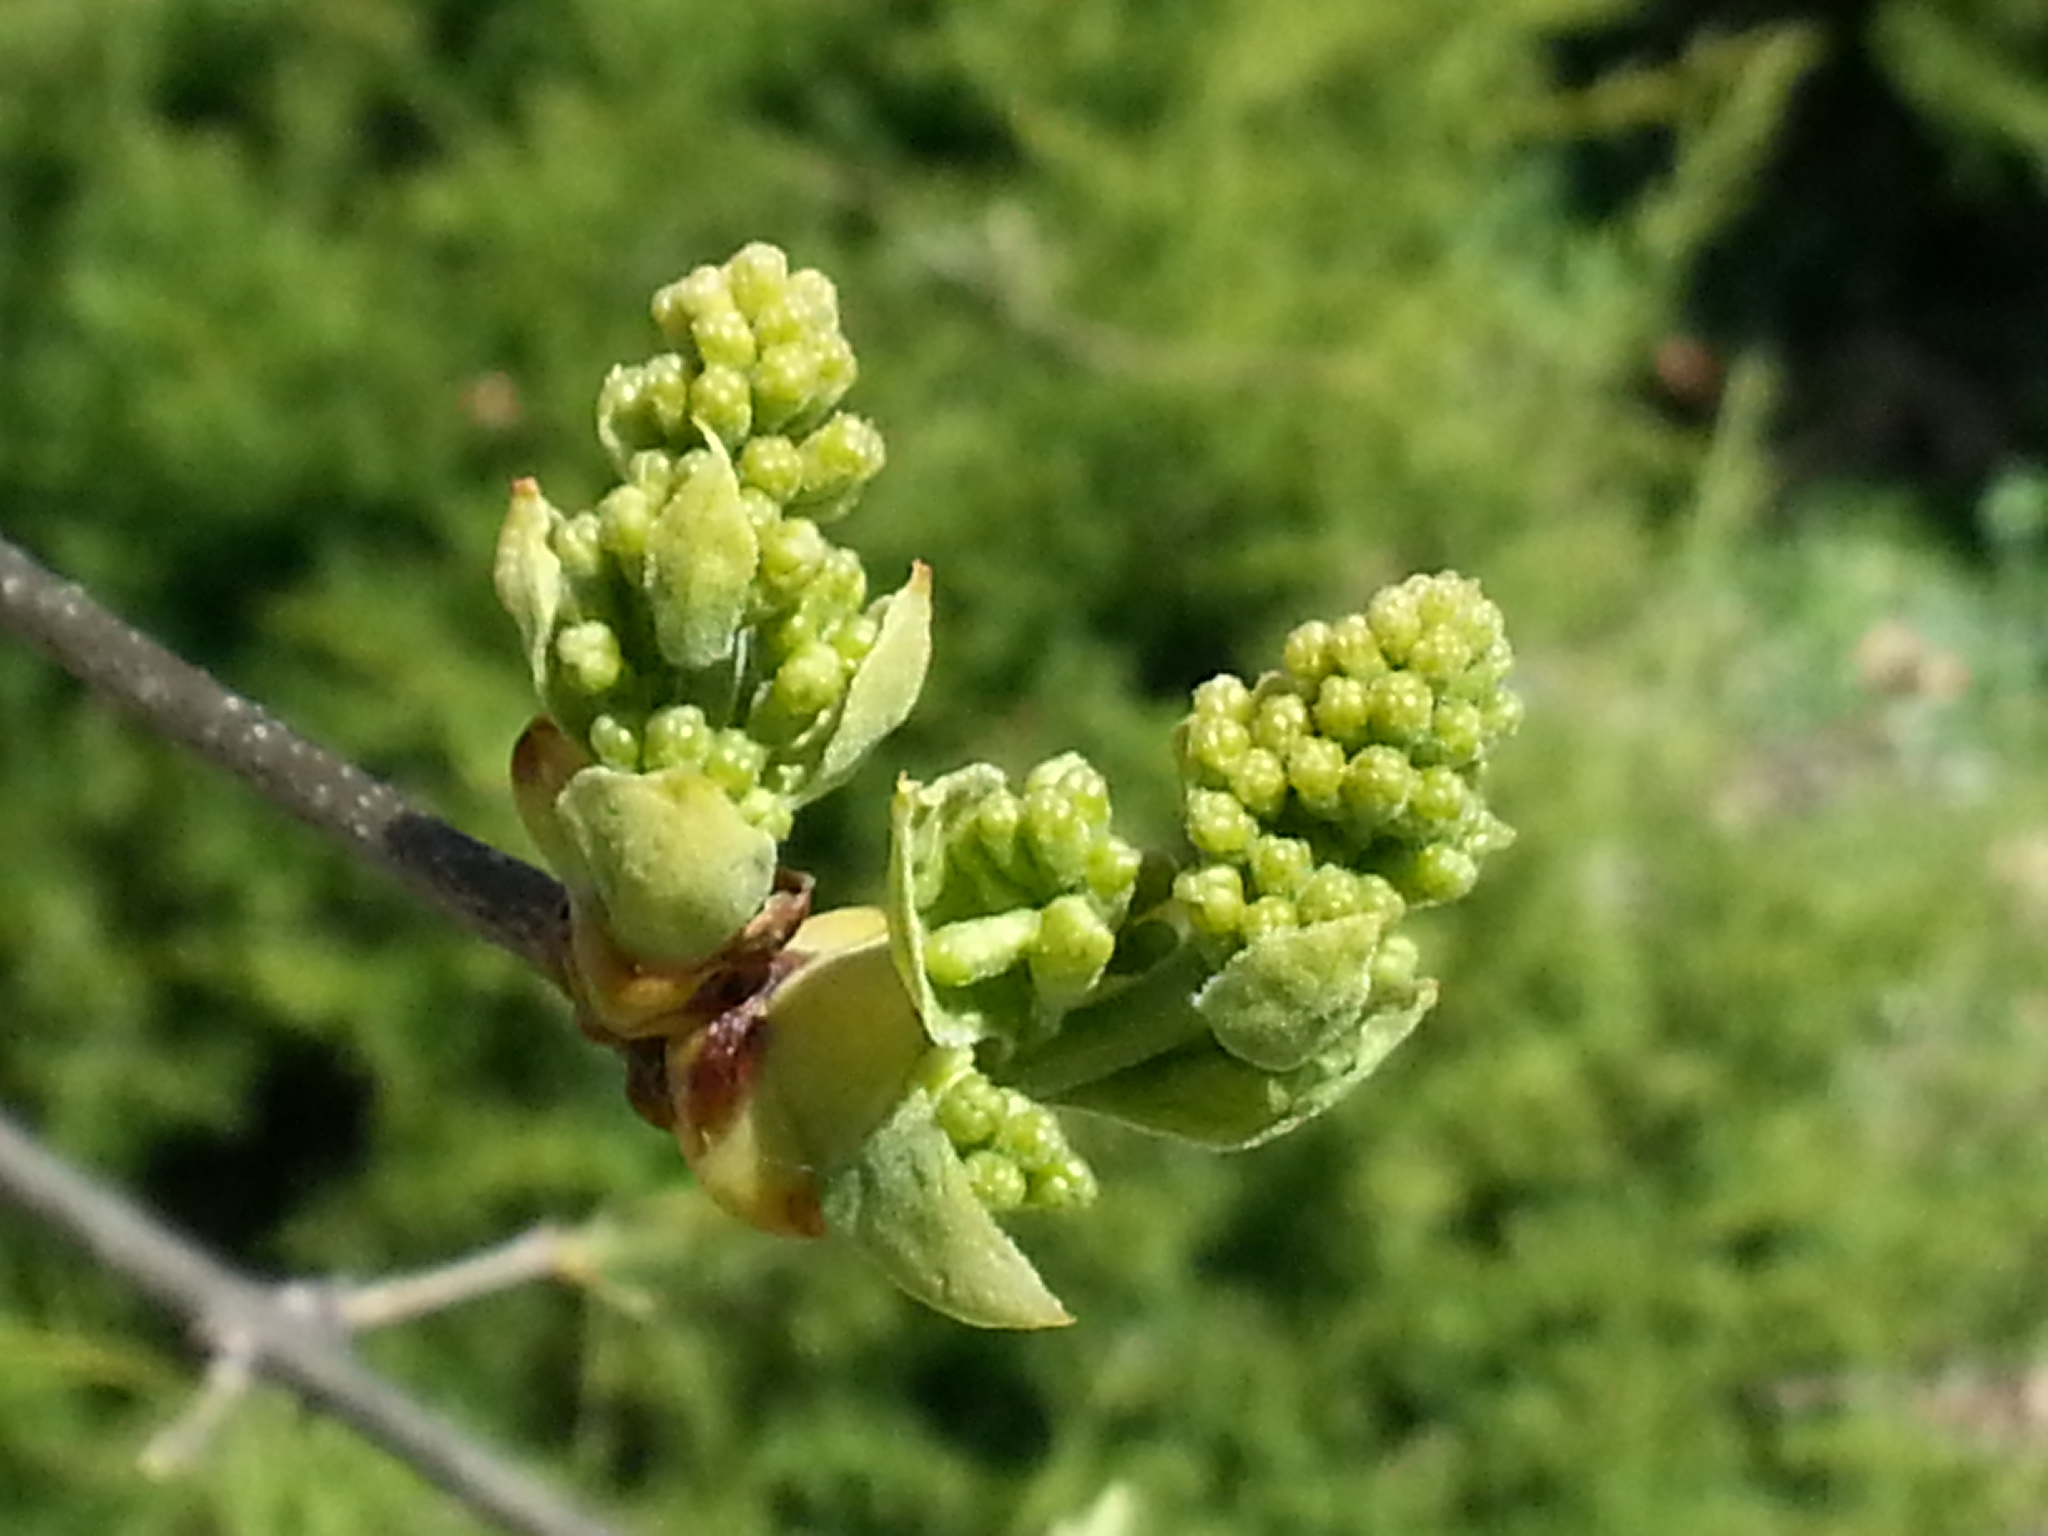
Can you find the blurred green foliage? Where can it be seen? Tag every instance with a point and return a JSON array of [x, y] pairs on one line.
[[1184, 322]]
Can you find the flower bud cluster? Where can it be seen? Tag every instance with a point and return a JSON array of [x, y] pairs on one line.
[[1349, 782], [759, 356], [697, 618], [1012, 1148], [1021, 889]]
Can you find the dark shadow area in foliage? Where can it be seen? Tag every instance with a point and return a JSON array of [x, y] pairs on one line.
[[306, 1125], [870, 95], [1905, 292], [1276, 1237], [972, 1394]]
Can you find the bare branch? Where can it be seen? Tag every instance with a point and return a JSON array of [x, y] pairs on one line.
[[179, 1444], [286, 1343], [508, 902], [545, 1252]]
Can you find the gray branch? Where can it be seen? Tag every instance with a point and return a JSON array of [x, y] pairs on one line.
[[510, 903], [251, 1326], [290, 1345]]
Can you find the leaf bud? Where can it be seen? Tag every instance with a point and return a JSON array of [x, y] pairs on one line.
[[701, 559]]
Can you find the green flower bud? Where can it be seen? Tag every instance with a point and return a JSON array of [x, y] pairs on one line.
[[1070, 951], [1280, 721], [677, 737], [814, 299], [1330, 893], [1002, 883], [1259, 781], [811, 681], [1113, 869], [1355, 650], [757, 276], [792, 553], [998, 1183], [1460, 733], [773, 465], [837, 372], [1377, 785], [724, 341], [626, 420], [839, 458], [1214, 898], [1267, 917], [1028, 1132], [681, 304], [1402, 708], [722, 404], [970, 1109], [1396, 618], [1439, 872], [589, 656], [1225, 697], [1280, 866], [785, 383], [1343, 710], [579, 541], [977, 948], [1316, 769], [615, 743], [1068, 1185], [1439, 803], [1218, 824], [624, 518], [1307, 653], [1213, 744]]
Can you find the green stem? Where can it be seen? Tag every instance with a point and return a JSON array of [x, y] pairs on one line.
[[1151, 1015]]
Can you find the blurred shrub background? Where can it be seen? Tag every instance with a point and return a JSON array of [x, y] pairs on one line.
[[1709, 335]]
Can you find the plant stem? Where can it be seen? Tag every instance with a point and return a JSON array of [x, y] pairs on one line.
[[510, 903], [288, 1344]]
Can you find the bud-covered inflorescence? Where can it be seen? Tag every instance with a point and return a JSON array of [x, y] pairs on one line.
[[1014, 1152], [697, 627], [1019, 894], [1348, 783], [709, 662]]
